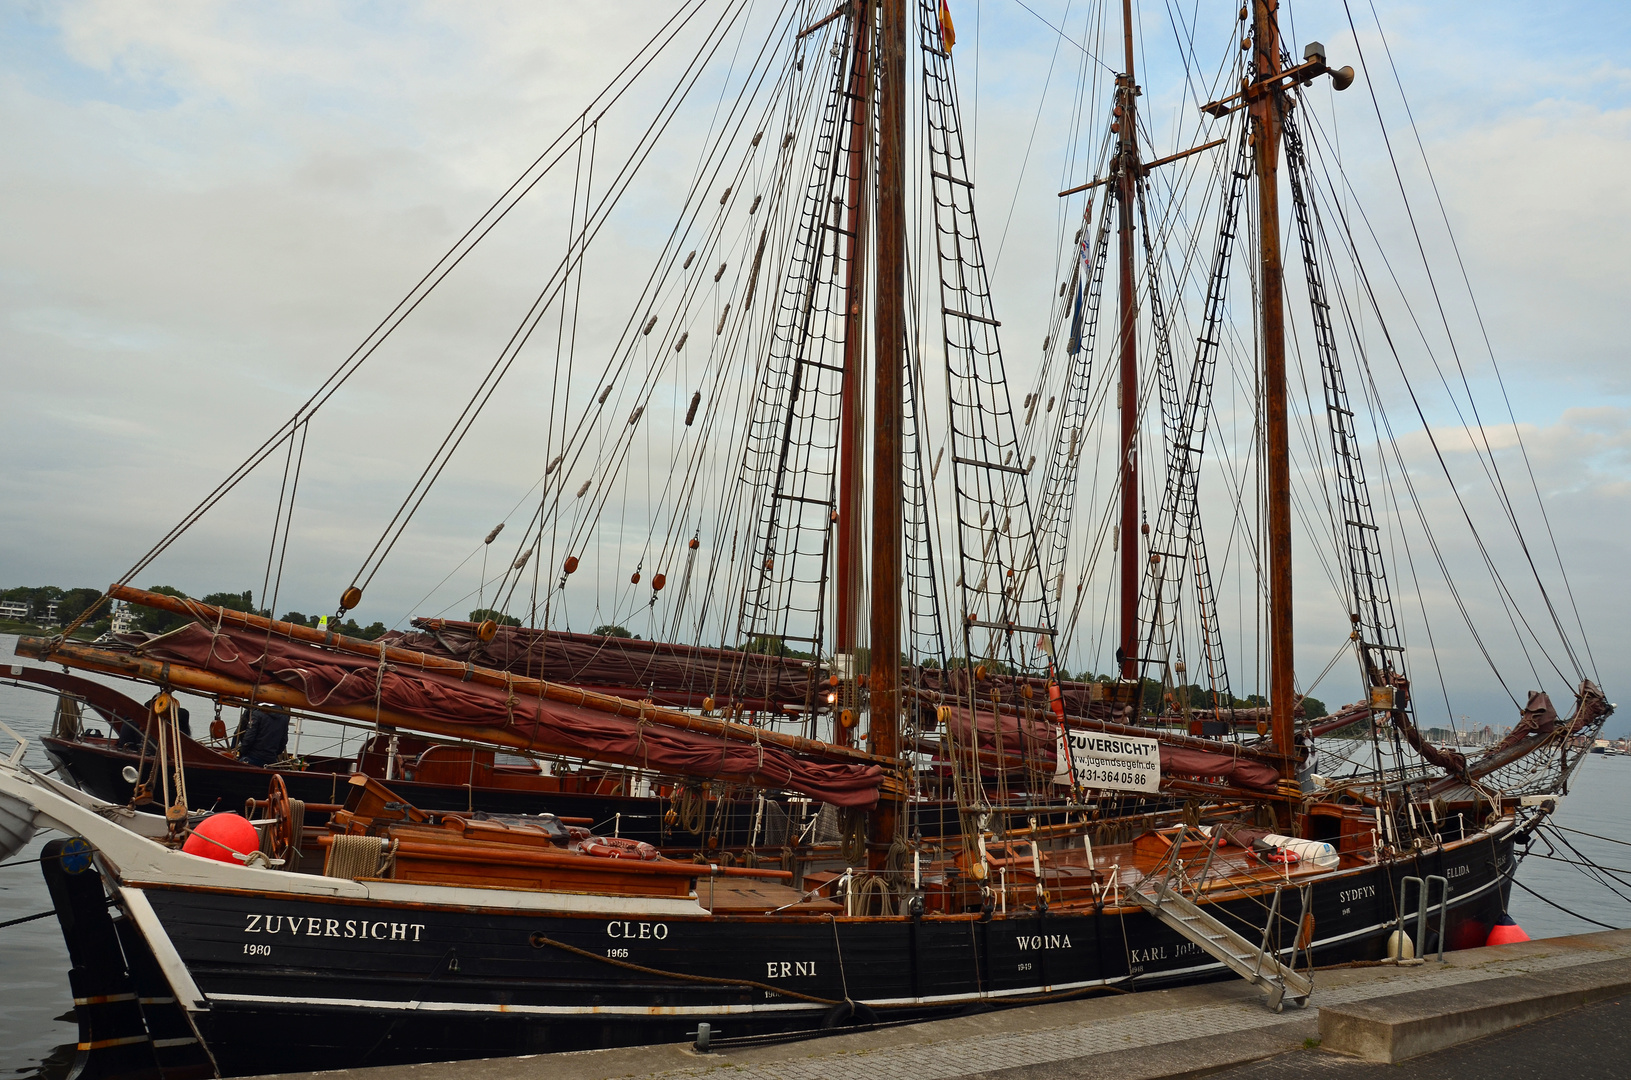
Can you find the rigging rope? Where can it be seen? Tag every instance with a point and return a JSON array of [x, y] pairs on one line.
[[608, 96]]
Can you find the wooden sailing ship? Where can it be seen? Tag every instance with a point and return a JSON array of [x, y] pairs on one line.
[[1100, 840]]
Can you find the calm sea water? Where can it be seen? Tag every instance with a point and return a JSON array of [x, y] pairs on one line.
[[34, 995]]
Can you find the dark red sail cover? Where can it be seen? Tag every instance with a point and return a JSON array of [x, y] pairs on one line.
[[331, 679], [680, 676], [1036, 741]]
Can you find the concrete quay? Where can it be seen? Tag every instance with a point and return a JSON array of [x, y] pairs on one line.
[[1460, 1017]]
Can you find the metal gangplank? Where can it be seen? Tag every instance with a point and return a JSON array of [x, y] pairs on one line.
[[1257, 964]]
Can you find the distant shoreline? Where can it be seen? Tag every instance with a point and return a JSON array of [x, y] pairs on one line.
[[14, 626]]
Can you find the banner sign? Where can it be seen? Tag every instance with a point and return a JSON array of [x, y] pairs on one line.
[[1109, 762]]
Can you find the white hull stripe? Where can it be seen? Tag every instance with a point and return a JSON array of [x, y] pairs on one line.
[[104, 999], [529, 1010], [103, 1044]]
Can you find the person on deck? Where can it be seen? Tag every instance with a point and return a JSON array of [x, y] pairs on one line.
[[266, 737]]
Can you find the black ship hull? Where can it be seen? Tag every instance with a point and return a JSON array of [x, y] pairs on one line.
[[354, 981]]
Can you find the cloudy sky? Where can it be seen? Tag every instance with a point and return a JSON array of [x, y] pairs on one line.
[[205, 207]]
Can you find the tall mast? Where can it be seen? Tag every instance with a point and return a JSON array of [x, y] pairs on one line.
[[1126, 180], [890, 325], [1265, 117], [849, 423]]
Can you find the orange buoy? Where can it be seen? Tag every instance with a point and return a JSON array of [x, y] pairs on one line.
[[571, 565], [1506, 932], [220, 835]]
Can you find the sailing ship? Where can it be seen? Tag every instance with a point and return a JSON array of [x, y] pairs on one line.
[[1113, 832]]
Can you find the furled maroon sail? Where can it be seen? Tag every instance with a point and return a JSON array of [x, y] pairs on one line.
[[679, 676], [1034, 743], [332, 680]]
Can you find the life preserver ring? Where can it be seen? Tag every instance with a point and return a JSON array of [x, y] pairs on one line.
[[1282, 856], [618, 847]]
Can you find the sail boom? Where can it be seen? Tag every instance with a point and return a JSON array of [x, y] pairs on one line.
[[206, 613], [197, 660]]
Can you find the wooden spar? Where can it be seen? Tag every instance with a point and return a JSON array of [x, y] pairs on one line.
[[819, 23], [1126, 178], [1265, 119], [1166, 738], [199, 681], [569, 695], [888, 360], [1145, 168], [848, 575]]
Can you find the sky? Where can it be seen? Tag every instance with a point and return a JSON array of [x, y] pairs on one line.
[[205, 207]]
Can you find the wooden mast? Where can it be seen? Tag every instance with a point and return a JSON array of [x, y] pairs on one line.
[[1265, 118], [850, 460], [890, 327], [1127, 403]]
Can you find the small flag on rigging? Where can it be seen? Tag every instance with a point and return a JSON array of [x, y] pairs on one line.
[[948, 34]]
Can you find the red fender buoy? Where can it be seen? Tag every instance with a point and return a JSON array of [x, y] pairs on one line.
[[219, 835], [1506, 932]]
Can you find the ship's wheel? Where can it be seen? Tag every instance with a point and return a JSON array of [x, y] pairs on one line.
[[280, 833]]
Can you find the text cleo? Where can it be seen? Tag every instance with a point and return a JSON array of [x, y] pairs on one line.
[[633, 931]]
